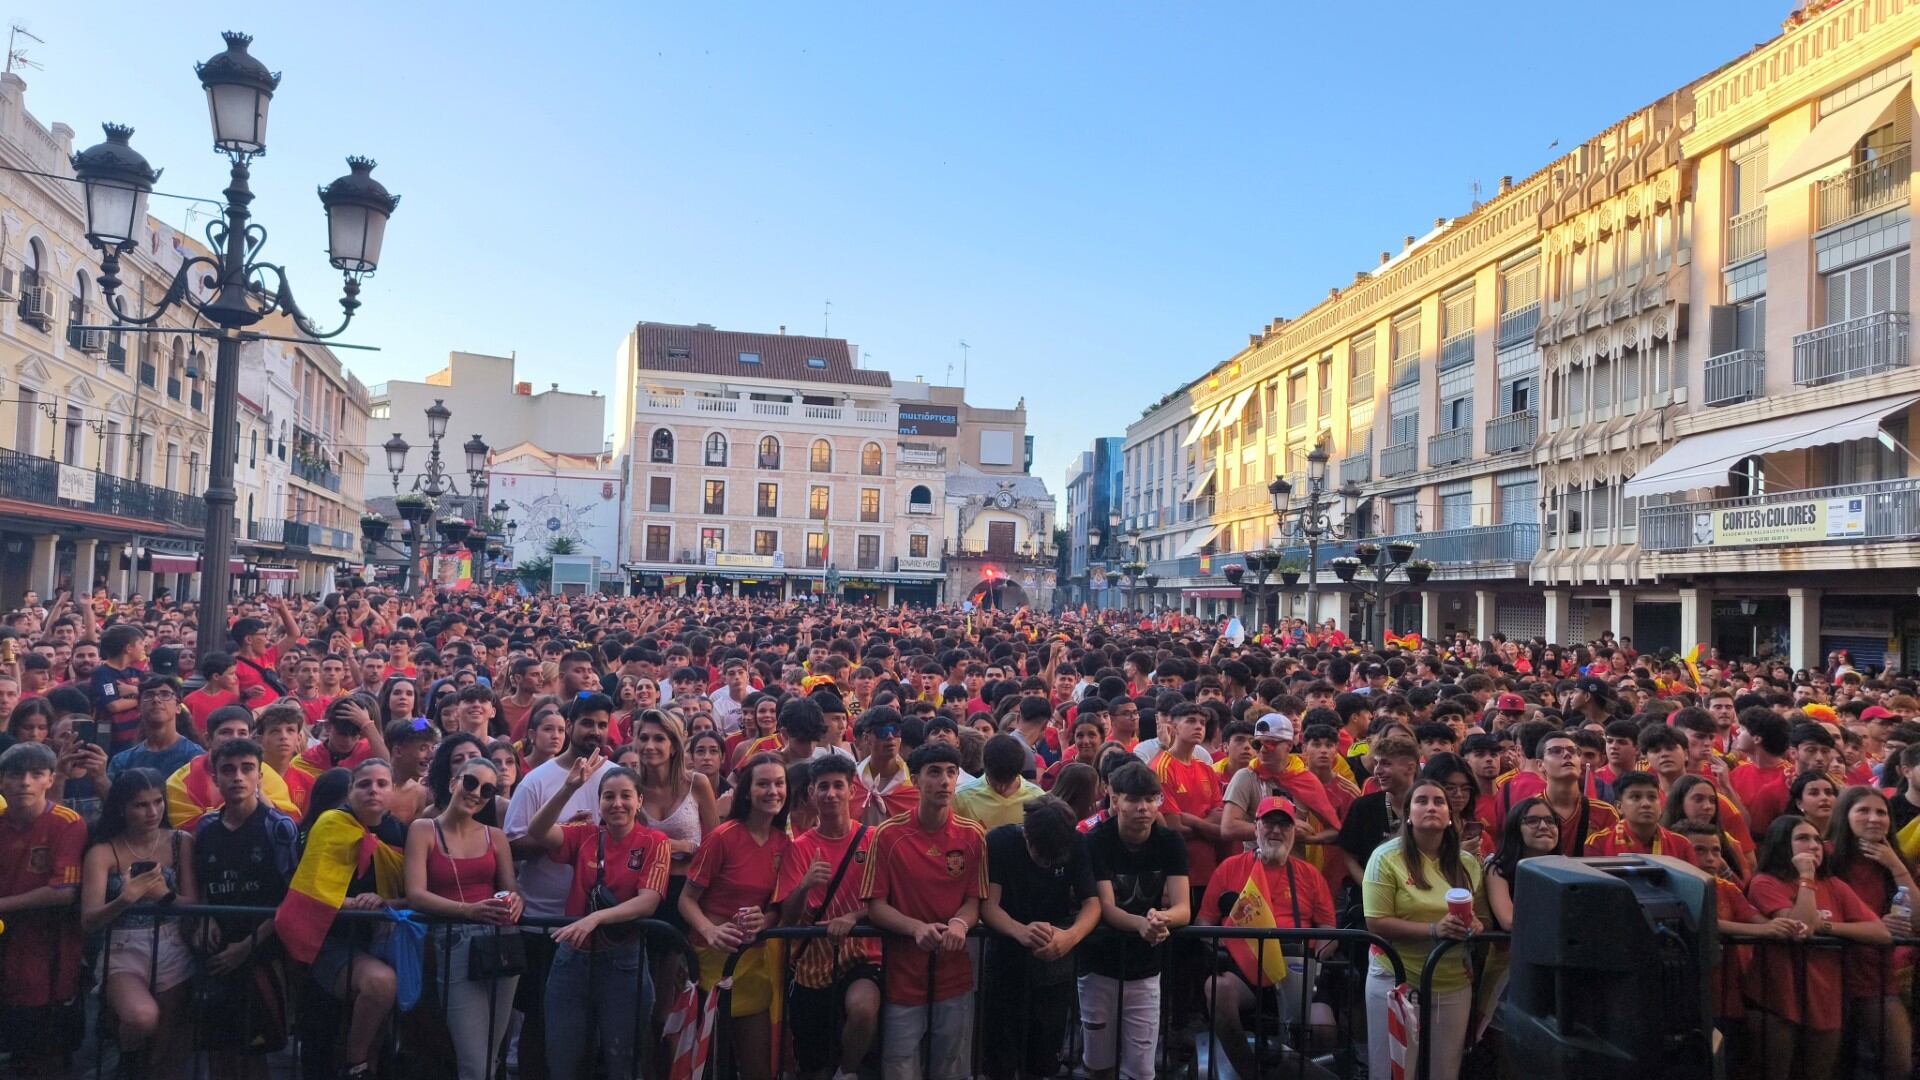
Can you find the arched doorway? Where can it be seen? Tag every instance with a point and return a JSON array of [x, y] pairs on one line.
[[999, 594]]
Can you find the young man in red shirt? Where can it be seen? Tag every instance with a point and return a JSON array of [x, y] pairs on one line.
[[41, 845], [820, 885], [1762, 779], [1638, 832], [1193, 795], [221, 690], [926, 876], [1580, 816]]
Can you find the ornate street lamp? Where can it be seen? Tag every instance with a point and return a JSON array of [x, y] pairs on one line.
[[436, 481], [231, 289]]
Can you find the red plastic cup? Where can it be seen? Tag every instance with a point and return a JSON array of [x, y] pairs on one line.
[[1460, 905]]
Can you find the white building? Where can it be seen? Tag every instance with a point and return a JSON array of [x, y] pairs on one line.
[[549, 496], [485, 398]]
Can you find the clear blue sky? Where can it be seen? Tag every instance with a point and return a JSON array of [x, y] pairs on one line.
[[1102, 199]]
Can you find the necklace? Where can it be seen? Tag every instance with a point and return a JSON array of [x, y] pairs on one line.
[[152, 854]]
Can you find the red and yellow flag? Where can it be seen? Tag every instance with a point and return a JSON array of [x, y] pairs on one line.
[[1261, 963], [339, 849]]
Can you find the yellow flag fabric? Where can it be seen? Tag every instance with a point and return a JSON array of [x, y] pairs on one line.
[[338, 849], [1908, 841], [1252, 910]]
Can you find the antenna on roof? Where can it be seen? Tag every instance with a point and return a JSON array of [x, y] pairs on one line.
[[16, 54], [826, 320], [964, 351], [1476, 195]]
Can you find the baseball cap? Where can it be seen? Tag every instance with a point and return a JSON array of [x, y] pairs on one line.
[[1510, 703], [1878, 712], [1596, 687], [1273, 726], [1276, 804]]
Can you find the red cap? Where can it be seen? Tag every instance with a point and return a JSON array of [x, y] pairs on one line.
[[1276, 804], [1510, 703], [1876, 712]]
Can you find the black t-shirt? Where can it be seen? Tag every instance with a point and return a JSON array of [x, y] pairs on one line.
[[245, 867], [1139, 876], [1903, 812], [1369, 823], [1032, 893]]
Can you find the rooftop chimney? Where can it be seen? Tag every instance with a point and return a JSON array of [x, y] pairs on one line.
[[524, 389], [783, 329], [1439, 223], [1506, 184], [1385, 257], [1407, 243]]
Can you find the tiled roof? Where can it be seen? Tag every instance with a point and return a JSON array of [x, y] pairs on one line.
[[700, 350]]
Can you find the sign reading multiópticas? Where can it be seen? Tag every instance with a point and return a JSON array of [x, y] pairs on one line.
[[929, 420], [1805, 521]]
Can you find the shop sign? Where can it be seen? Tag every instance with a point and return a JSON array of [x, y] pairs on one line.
[[919, 564], [929, 420], [1801, 521], [1847, 620], [76, 484], [742, 559]]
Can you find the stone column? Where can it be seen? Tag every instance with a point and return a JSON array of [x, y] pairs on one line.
[[1803, 620], [1696, 618], [1486, 613], [1559, 615], [83, 556], [45, 567], [1429, 614], [1623, 613]]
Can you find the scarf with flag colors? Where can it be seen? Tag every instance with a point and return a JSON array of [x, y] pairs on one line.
[[339, 849]]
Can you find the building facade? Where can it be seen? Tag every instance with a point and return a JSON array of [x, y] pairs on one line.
[[485, 397], [572, 497], [1159, 504], [1097, 540], [1662, 387]]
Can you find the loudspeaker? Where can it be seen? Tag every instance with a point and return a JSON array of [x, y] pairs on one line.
[[1610, 964]]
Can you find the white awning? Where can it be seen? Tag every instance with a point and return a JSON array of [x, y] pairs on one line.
[[1230, 415], [1200, 423], [1199, 540], [1835, 136], [1703, 460], [1200, 486]]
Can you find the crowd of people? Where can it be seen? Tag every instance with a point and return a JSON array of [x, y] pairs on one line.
[[1003, 810]]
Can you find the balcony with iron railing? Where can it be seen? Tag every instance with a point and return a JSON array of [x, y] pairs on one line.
[[1746, 235], [37, 480], [1296, 414], [1514, 431], [1360, 389], [316, 471], [1357, 466], [1493, 546], [747, 408], [1870, 186], [1457, 350], [1734, 377], [1517, 326], [1852, 349], [1406, 369], [1399, 460], [1448, 447], [1890, 510]]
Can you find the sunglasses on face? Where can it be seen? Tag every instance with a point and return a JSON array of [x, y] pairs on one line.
[[888, 732], [474, 785]]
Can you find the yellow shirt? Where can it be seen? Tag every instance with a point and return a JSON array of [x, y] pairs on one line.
[[991, 809], [1387, 891]]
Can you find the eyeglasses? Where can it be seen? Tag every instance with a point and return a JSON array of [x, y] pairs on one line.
[[158, 695], [1533, 822], [473, 784]]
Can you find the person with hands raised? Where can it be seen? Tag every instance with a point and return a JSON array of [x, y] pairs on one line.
[[729, 887], [619, 873], [458, 868], [1419, 888]]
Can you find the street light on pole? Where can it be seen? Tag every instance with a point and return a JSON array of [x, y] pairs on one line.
[[434, 483], [1314, 518], [243, 289]]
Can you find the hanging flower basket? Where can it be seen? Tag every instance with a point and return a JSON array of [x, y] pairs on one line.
[[1345, 567], [415, 508], [1419, 570], [1367, 553], [455, 529], [1289, 577], [476, 542], [1400, 551], [374, 527], [1234, 573]]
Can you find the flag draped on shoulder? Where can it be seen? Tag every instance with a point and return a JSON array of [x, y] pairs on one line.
[[339, 849]]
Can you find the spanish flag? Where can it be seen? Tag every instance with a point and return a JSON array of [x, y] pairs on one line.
[[339, 849], [1410, 642], [192, 794], [1907, 841], [1252, 909]]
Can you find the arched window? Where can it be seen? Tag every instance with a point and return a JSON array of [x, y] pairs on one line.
[[716, 449], [176, 368], [920, 500], [36, 259], [822, 456], [663, 446], [769, 453], [79, 312], [870, 459]]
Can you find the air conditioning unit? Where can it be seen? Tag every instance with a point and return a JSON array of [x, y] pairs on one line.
[[90, 341], [37, 304], [8, 285]]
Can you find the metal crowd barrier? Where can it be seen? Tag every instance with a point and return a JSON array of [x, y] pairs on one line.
[[416, 1044]]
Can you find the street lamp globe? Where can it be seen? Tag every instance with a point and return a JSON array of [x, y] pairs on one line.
[[1113, 519], [117, 181], [239, 88], [1093, 537], [437, 416], [476, 449], [396, 448], [1281, 491], [358, 207], [1317, 466]]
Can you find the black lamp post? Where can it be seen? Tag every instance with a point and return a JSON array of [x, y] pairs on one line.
[[436, 481], [231, 289], [1313, 519]]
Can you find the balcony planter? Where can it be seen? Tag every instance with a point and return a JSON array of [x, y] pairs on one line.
[[1345, 567], [1367, 553], [455, 529], [1400, 551], [1289, 577], [414, 508], [374, 527], [1418, 571]]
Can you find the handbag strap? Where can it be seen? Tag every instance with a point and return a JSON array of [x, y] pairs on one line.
[[600, 858], [833, 886], [1293, 894]]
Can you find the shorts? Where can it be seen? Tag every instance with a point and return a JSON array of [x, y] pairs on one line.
[[947, 1027], [755, 977], [332, 963], [816, 1017], [159, 960]]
